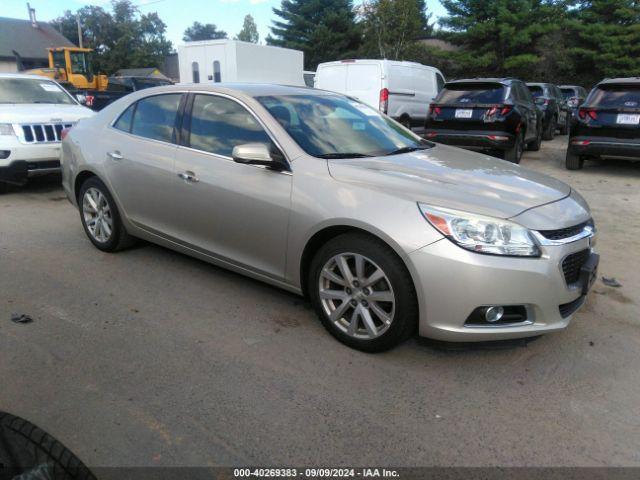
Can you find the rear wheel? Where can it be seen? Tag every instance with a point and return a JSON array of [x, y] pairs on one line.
[[573, 161], [4, 187], [363, 293], [534, 146], [100, 217], [514, 154], [550, 131], [564, 128], [405, 121]]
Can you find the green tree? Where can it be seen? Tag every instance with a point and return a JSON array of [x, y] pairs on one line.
[[324, 30], [605, 39], [249, 32], [123, 38], [199, 31], [392, 27], [502, 37]]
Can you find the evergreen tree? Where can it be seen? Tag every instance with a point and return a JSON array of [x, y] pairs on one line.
[[249, 32], [199, 31], [324, 30]]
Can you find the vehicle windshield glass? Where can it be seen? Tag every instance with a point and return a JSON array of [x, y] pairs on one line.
[[536, 91], [333, 126], [26, 90], [568, 93], [616, 96], [471, 93], [79, 63]]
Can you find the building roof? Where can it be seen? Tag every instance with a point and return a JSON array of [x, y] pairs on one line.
[[29, 42], [140, 72]]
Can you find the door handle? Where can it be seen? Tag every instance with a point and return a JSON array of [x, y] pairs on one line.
[[115, 155], [189, 177]]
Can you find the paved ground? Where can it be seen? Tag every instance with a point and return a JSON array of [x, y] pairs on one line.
[[149, 357]]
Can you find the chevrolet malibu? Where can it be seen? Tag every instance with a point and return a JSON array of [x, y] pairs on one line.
[[386, 234]]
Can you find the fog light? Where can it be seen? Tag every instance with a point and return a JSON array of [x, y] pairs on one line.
[[494, 314]]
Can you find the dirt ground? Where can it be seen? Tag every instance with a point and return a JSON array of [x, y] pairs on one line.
[[151, 358]]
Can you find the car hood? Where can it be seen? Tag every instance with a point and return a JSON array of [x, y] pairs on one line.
[[42, 113], [451, 177]]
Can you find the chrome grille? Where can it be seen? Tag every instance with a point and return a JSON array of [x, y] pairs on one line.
[[41, 132]]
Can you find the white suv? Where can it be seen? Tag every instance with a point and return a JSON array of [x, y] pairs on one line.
[[33, 112]]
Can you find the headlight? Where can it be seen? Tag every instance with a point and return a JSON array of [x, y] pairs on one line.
[[482, 234], [6, 129]]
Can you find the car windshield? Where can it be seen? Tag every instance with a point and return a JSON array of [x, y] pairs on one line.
[[26, 90], [471, 93], [536, 91], [333, 126], [616, 96]]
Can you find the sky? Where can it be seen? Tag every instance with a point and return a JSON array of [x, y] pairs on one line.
[[177, 14]]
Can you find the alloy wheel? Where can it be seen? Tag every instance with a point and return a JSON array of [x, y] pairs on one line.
[[97, 215], [357, 296]]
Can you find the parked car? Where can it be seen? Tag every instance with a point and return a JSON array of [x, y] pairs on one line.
[[322, 195], [402, 90], [118, 87], [487, 114], [574, 95], [556, 112], [33, 112], [608, 123]]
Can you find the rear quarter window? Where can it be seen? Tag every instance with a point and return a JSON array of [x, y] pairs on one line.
[[616, 96], [472, 93]]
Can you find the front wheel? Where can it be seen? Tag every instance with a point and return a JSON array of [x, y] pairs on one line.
[[573, 161], [100, 217], [363, 293], [514, 154]]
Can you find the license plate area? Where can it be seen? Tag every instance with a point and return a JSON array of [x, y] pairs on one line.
[[589, 272], [464, 113], [628, 119]]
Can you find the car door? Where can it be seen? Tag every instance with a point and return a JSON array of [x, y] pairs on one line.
[[140, 153], [236, 212]]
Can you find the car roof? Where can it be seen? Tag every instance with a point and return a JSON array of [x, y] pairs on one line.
[[246, 89], [569, 86], [539, 84], [24, 75], [504, 80], [627, 80]]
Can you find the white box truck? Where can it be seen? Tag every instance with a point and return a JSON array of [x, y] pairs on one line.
[[402, 90], [215, 61]]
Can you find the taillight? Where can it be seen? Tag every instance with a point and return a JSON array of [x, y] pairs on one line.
[[384, 100], [90, 99], [64, 132], [504, 109], [434, 109], [583, 112]]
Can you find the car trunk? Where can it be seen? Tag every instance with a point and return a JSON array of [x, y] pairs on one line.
[[468, 106], [613, 111]]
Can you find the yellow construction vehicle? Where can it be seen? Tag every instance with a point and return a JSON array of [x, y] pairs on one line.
[[71, 66]]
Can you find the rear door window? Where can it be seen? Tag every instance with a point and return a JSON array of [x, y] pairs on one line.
[[219, 124], [472, 93], [155, 117], [616, 96]]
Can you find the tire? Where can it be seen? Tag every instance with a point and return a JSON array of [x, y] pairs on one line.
[[573, 161], [27, 451], [534, 146], [118, 238], [514, 154], [4, 187], [405, 122], [564, 129], [361, 324], [550, 131]]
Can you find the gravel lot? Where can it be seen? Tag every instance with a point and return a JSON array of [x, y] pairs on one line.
[[149, 357]]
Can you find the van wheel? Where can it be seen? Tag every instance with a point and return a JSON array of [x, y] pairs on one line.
[[514, 154], [363, 293], [405, 121], [100, 217], [550, 131], [573, 161]]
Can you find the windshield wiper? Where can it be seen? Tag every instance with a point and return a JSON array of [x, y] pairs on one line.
[[343, 155], [408, 149]]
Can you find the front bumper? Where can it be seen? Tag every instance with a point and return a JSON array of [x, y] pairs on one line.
[[472, 139], [452, 282], [25, 161], [605, 146]]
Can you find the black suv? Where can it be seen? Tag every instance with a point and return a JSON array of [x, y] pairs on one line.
[[556, 114], [608, 123], [490, 114], [574, 95]]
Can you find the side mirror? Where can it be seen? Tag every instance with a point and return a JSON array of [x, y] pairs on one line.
[[258, 154]]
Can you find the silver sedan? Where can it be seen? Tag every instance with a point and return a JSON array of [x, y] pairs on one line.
[[386, 234]]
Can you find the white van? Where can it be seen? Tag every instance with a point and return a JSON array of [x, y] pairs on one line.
[[402, 90]]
